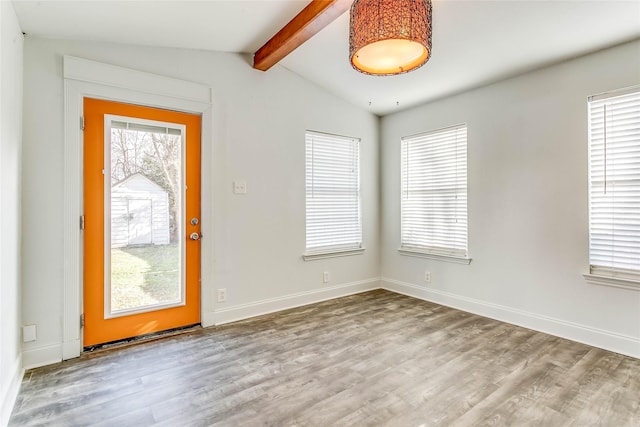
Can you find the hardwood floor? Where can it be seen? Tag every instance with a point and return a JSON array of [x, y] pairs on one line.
[[373, 359]]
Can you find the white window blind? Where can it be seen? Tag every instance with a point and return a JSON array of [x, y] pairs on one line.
[[614, 185], [332, 193], [434, 192]]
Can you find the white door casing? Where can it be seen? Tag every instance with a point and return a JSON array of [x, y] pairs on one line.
[[85, 78]]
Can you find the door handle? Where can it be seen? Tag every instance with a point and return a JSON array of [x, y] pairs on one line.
[[195, 236]]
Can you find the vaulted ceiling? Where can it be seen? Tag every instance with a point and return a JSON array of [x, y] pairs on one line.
[[475, 42]]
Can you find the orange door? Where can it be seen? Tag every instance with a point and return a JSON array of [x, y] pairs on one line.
[[142, 220]]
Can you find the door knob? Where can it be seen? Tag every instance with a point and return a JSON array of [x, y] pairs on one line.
[[195, 236]]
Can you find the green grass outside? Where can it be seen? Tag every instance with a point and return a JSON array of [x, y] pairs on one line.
[[144, 275]]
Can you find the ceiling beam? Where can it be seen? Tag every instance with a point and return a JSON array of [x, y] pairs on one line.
[[313, 18]]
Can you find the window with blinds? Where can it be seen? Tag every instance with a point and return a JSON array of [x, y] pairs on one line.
[[614, 184], [434, 193], [333, 222]]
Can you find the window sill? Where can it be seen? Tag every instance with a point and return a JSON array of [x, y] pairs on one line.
[[615, 282], [311, 256], [438, 257]]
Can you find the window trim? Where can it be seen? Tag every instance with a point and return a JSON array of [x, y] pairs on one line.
[[334, 253], [595, 279], [420, 253], [438, 254], [338, 250], [600, 275]]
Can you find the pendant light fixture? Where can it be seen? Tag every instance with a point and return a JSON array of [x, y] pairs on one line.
[[389, 37]]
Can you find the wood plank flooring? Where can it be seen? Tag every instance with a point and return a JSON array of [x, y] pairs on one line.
[[373, 359]]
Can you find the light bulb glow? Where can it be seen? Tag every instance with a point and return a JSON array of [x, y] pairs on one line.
[[390, 56]]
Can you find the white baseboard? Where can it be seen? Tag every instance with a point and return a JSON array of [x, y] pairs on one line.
[[245, 311], [618, 343], [10, 392], [42, 356]]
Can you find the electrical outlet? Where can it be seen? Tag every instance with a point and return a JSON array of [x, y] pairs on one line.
[[28, 333], [222, 295], [239, 187], [427, 277], [325, 277]]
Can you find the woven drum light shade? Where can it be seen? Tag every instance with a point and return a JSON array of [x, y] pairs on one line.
[[389, 36]]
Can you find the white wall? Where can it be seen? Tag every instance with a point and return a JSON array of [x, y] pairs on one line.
[[527, 203], [527, 193], [11, 48], [258, 135]]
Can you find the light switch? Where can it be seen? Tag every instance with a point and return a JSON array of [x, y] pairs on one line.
[[29, 333], [239, 187]]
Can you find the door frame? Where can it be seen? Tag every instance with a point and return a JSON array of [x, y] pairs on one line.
[[85, 78]]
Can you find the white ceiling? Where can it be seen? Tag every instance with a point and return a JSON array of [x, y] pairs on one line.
[[474, 41]]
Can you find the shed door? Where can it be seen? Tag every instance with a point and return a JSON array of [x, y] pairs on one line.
[[141, 257], [140, 222]]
